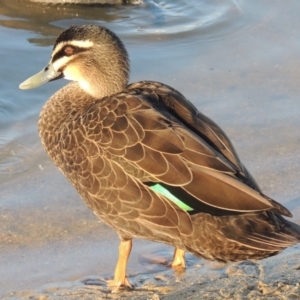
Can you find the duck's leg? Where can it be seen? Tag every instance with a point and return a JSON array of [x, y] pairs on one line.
[[178, 263], [120, 278], [178, 258]]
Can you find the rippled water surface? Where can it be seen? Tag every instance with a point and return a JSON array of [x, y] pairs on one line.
[[163, 37], [238, 61]]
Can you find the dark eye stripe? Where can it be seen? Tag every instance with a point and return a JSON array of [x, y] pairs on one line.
[[62, 53]]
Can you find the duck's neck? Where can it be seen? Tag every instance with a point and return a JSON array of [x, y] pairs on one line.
[[107, 74], [101, 86]]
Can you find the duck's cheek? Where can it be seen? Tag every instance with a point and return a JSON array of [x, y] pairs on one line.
[[72, 73]]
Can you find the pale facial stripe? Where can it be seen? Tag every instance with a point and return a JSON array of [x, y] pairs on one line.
[[60, 63], [63, 60], [80, 44]]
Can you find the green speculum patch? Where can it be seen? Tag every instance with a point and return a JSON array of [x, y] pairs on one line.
[[163, 191]]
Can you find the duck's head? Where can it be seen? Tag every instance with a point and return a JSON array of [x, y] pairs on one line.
[[90, 54]]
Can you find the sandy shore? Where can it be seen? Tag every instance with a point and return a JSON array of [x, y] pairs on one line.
[[274, 278]]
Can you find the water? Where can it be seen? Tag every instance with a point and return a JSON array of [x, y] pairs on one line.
[[238, 61], [151, 31]]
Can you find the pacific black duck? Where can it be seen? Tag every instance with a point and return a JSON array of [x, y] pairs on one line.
[[147, 162]]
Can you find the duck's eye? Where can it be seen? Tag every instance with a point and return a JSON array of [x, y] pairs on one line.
[[68, 50]]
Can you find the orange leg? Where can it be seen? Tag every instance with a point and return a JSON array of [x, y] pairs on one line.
[[178, 258], [120, 278], [178, 263]]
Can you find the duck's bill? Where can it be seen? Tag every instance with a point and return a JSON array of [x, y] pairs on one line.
[[46, 75]]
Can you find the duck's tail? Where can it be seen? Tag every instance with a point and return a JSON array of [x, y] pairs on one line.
[[240, 237], [289, 227]]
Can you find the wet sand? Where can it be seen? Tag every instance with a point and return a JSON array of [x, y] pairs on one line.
[[268, 279]]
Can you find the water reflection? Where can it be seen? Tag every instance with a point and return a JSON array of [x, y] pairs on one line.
[[39, 18], [89, 2], [156, 20]]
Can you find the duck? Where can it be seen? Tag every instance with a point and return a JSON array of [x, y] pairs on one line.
[[90, 2], [148, 163]]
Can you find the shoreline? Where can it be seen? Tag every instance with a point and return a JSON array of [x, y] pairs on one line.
[[272, 278]]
